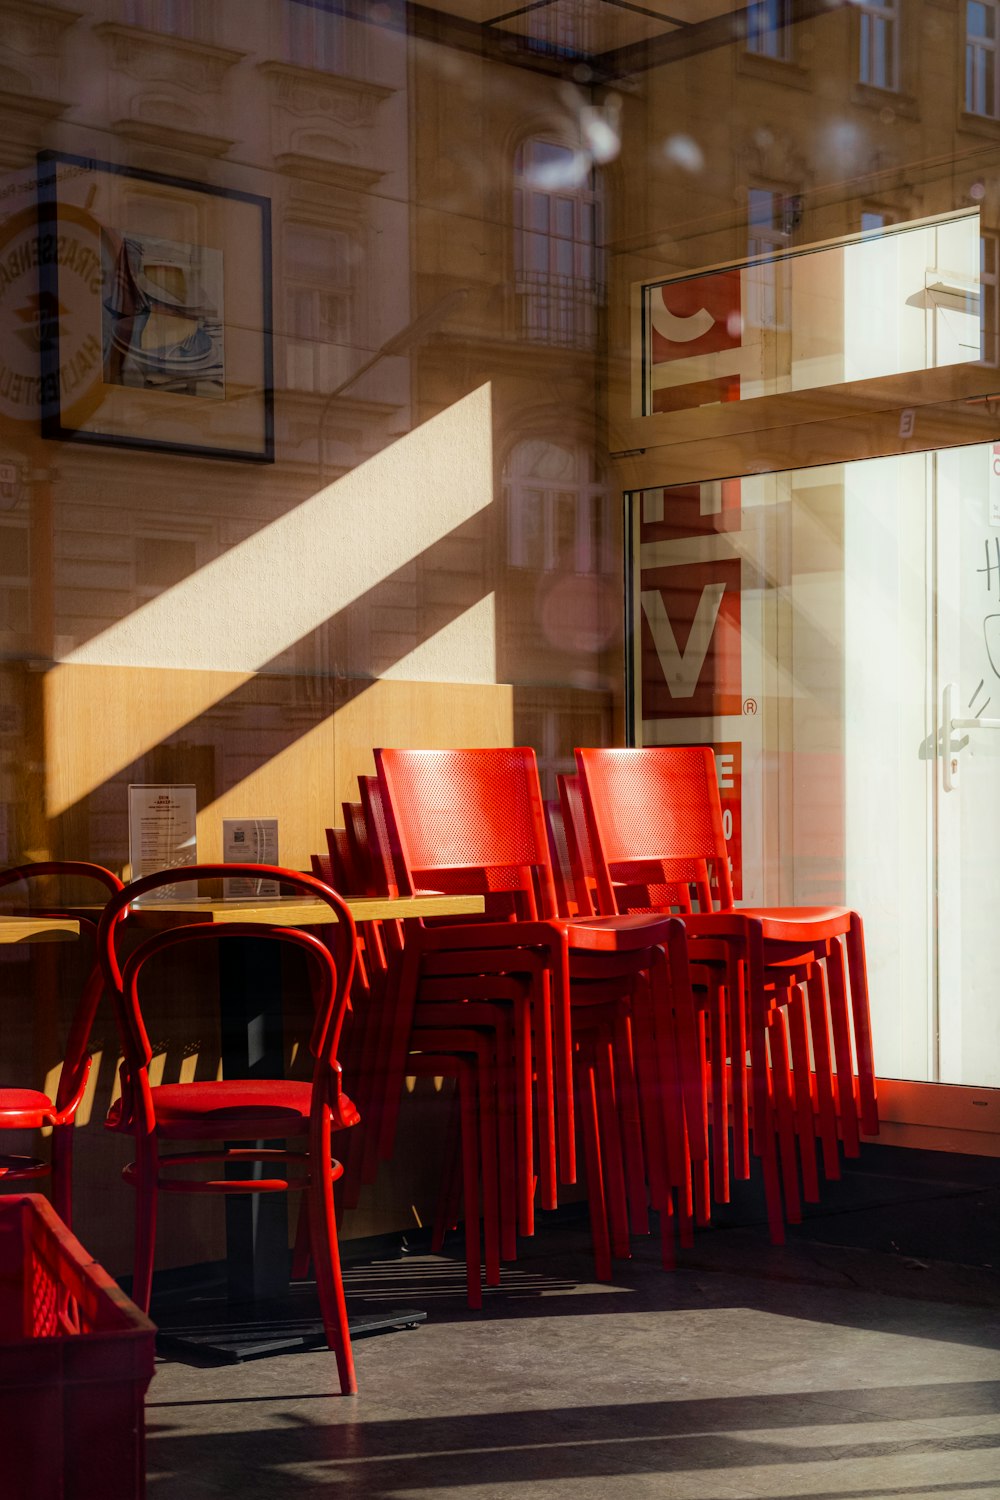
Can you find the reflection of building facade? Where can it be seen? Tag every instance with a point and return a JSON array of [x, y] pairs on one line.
[[460, 215]]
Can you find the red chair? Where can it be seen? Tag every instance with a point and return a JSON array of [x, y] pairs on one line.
[[473, 821], [233, 1109], [31, 1109], [650, 806]]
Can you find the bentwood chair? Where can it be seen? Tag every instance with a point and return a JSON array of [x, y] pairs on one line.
[[32, 1109], [648, 808], [242, 1112]]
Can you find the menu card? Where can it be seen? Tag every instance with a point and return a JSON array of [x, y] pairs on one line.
[[161, 833], [250, 841]]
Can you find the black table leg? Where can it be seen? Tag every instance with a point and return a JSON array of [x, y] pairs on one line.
[[257, 1255]]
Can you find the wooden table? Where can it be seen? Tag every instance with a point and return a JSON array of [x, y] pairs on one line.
[[298, 911], [28, 929], [252, 1045]]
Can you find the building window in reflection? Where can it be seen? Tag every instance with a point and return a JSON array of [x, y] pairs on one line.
[[770, 216], [878, 40], [15, 579], [316, 36], [982, 95], [321, 291], [184, 18], [989, 306], [557, 509], [566, 28], [557, 262], [769, 29]]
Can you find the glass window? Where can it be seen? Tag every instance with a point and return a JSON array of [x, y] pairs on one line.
[[989, 280], [315, 37], [557, 513], [320, 284], [556, 217], [894, 299], [769, 29], [981, 94], [15, 613], [184, 18], [879, 43], [768, 216]]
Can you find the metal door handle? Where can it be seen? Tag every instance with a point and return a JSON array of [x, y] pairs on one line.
[[949, 724]]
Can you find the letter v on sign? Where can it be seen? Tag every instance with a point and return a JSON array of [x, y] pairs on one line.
[[682, 669]]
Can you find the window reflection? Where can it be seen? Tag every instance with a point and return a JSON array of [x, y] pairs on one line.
[[558, 274], [879, 43], [981, 93], [769, 29]]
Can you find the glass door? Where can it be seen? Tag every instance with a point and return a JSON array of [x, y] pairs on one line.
[[967, 789], [834, 633]]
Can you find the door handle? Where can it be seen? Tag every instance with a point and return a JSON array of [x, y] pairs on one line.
[[949, 724]]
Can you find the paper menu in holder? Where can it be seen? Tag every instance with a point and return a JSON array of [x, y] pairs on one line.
[[162, 834], [250, 841]]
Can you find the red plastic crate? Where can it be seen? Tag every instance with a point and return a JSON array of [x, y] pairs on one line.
[[76, 1357]]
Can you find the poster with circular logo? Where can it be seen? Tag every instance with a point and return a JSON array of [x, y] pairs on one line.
[[34, 320]]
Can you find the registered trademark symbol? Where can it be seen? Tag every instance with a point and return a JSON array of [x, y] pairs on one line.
[[749, 705]]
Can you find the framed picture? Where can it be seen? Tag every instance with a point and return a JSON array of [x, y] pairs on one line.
[[154, 311]]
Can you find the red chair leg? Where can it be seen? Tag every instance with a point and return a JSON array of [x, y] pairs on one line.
[[587, 1112], [470, 1185], [627, 1094], [784, 1115], [805, 1119], [818, 1005], [720, 1102], [326, 1252], [446, 1215], [862, 1026], [611, 1149], [62, 1173], [736, 1007], [842, 1051], [146, 1171]]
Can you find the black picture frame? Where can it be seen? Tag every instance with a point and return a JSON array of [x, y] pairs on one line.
[[210, 392]]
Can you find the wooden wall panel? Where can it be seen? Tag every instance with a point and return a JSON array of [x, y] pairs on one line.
[[275, 745]]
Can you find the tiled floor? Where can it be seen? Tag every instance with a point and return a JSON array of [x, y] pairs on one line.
[[846, 1366]]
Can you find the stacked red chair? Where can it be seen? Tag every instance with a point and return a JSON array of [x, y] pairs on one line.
[[29, 1108], [785, 971], [473, 821], [160, 1117]]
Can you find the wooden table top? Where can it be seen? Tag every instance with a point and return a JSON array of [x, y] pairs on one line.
[[303, 911], [29, 929]]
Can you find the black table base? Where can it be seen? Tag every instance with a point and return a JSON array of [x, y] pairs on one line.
[[213, 1330]]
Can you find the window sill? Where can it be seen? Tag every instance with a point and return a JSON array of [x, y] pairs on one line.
[[983, 125], [778, 70], [904, 105]]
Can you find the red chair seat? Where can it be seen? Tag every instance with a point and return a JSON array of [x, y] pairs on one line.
[[238, 1109], [622, 934], [25, 1109]]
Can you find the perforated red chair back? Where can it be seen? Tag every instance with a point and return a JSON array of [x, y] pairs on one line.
[[578, 849], [383, 846], [472, 821], [655, 818]]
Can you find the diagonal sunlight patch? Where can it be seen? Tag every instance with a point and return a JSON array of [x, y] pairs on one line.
[[130, 687], [464, 650], [259, 598]]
